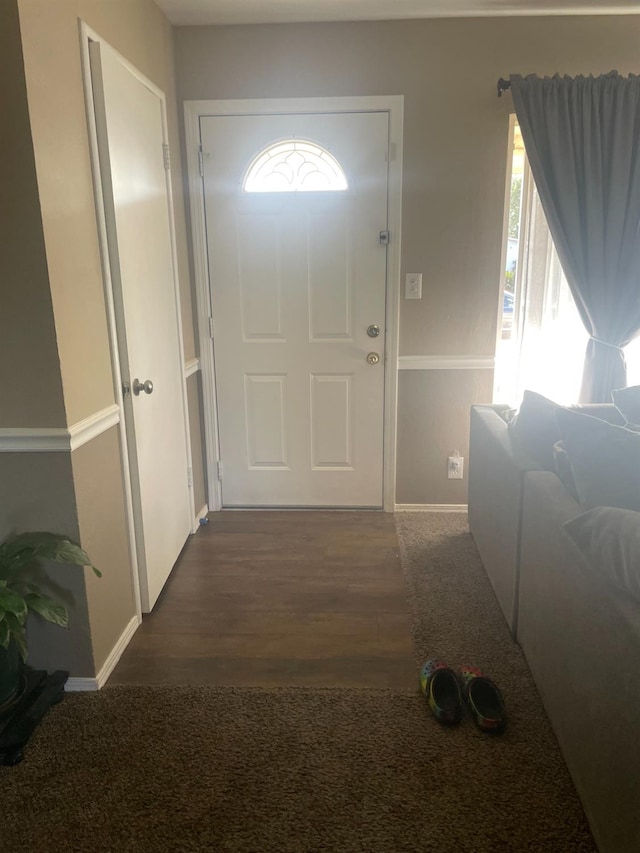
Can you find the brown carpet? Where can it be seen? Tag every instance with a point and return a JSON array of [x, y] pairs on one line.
[[303, 770]]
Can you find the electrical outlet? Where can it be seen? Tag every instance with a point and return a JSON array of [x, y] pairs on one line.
[[455, 468], [413, 285]]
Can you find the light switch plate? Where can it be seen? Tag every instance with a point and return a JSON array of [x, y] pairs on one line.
[[413, 285]]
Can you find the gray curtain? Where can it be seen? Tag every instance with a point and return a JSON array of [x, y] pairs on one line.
[[582, 137]]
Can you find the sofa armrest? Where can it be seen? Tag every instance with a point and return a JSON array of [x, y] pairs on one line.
[[489, 425], [495, 488]]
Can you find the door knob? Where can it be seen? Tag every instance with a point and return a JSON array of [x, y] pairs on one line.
[[138, 387], [372, 358], [373, 331]]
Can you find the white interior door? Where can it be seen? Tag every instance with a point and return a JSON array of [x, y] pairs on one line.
[[130, 124], [297, 280]]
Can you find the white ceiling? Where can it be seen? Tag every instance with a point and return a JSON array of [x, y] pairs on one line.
[[198, 12]]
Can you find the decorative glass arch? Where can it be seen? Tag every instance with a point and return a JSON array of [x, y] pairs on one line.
[[294, 166]]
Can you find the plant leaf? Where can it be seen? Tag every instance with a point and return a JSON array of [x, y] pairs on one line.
[[18, 551], [5, 634], [48, 609], [11, 602], [14, 623], [17, 632]]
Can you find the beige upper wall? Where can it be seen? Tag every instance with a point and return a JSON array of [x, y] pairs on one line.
[[29, 363], [51, 47], [455, 130]]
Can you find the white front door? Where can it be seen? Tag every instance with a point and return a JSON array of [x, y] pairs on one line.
[[130, 124], [298, 286]]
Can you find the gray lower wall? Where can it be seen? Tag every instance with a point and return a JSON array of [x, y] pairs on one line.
[[196, 427], [433, 422], [37, 493]]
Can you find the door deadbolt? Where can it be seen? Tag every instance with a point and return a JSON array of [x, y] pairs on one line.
[[140, 387], [373, 331], [373, 358]]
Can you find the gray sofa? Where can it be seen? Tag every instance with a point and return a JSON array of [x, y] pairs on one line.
[[577, 621], [496, 479]]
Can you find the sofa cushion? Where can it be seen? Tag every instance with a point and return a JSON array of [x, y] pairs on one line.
[[627, 401], [604, 411], [534, 429], [609, 539], [604, 459]]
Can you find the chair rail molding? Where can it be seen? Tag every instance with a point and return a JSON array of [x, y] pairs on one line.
[[58, 439], [191, 367], [446, 362]]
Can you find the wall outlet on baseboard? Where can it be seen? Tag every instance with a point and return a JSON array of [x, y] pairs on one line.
[[455, 468]]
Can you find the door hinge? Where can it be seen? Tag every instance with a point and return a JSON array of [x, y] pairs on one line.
[[201, 162], [384, 238], [190, 476], [166, 156], [210, 327], [220, 470]]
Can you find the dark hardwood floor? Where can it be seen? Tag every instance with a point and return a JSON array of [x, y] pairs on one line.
[[280, 598]]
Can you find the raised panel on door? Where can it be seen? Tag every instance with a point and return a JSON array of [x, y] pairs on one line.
[[332, 422], [330, 258], [265, 413], [296, 279], [258, 239]]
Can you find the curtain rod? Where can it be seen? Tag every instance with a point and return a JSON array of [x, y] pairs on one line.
[[503, 85]]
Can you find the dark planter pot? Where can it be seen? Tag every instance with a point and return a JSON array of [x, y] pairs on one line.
[[10, 680]]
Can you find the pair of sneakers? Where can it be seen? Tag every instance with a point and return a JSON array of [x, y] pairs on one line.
[[445, 690]]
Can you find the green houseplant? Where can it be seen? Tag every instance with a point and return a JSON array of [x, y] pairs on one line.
[[21, 585]]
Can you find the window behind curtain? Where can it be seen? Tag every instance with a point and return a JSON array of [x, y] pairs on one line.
[[542, 341]]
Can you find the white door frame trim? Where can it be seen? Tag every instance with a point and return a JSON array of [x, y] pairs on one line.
[[193, 112]]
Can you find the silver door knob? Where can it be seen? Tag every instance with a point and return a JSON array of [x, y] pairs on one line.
[[138, 387], [373, 331], [373, 358]]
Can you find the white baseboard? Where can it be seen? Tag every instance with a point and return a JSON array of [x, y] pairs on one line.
[[431, 508], [204, 512], [75, 685], [81, 685]]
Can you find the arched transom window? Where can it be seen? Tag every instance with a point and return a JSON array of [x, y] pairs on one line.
[[294, 166]]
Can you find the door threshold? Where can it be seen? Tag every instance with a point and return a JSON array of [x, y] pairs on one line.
[[301, 508]]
